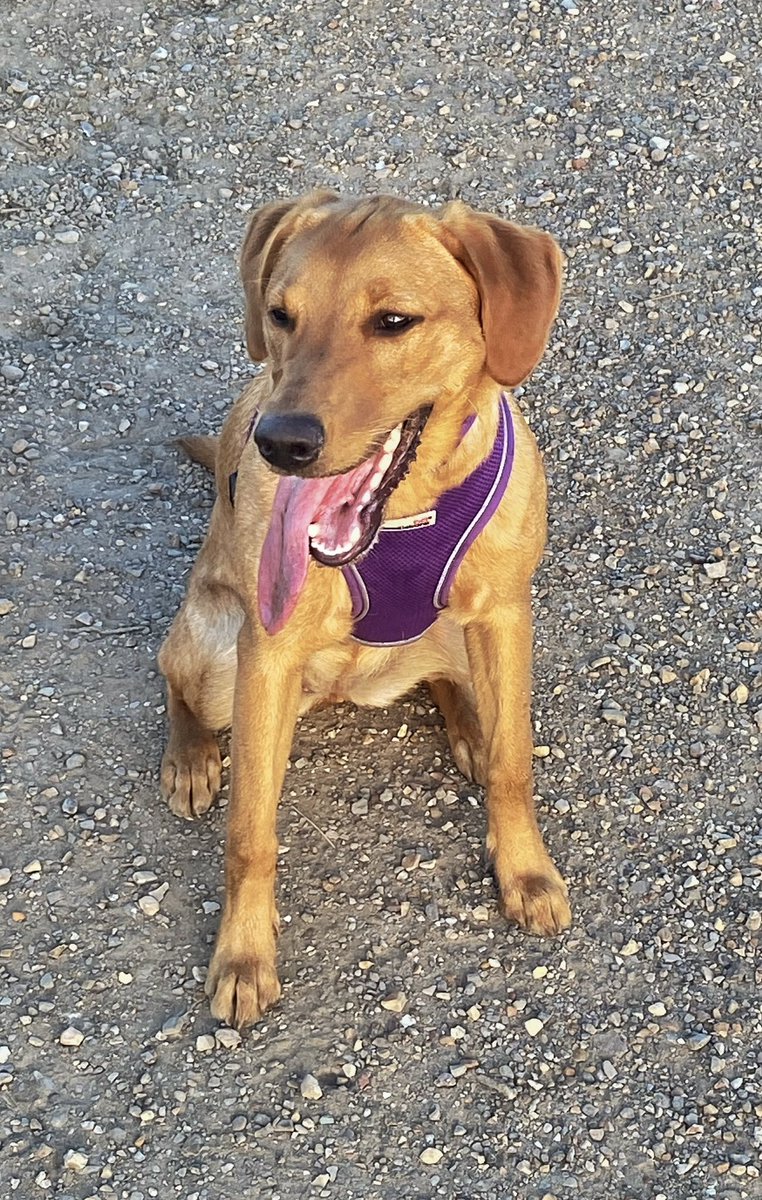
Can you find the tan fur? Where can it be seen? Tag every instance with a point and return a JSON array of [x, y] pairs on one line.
[[201, 449], [488, 292]]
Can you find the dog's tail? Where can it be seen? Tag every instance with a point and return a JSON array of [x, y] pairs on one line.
[[202, 450]]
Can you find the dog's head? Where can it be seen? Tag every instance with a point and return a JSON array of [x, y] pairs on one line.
[[373, 314]]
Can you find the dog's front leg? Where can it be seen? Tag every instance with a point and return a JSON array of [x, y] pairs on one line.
[[499, 647], [242, 980]]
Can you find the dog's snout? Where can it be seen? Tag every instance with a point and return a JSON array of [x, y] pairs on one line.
[[289, 441]]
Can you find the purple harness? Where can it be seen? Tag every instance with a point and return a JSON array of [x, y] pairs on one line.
[[404, 581]]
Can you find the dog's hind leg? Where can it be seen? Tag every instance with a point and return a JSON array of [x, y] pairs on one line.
[[457, 705], [191, 766], [198, 659]]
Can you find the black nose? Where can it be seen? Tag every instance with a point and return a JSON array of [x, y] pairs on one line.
[[289, 441]]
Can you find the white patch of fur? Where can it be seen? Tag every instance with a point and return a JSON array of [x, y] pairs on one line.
[[215, 630]]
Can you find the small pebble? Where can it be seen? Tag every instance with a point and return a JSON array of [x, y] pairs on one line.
[[613, 714], [431, 1156], [75, 1160], [630, 948], [71, 1036], [717, 569], [310, 1088], [697, 1041], [395, 1004], [174, 1025], [228, 1038]]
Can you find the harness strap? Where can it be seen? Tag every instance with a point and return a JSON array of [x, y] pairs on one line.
[[401, 585]]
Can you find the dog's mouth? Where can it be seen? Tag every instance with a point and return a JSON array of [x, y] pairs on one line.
[[350, 515], [333, 518]]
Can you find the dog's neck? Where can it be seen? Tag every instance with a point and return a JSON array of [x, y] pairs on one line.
[[445, 456]]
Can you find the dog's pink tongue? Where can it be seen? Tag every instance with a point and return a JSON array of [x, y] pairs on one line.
[[286, 549]]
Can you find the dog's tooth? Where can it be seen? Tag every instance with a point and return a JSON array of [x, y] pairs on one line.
[[393, 440], [384, 462], [355, 534], [313, 530], [377, 477], [366, 497]]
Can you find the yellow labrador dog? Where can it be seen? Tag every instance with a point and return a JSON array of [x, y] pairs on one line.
[[391, 333]]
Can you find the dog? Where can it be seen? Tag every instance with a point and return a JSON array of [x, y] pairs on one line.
[[392, 335]]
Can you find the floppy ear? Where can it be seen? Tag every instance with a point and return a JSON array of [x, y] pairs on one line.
[[518, 272], [268, 231]]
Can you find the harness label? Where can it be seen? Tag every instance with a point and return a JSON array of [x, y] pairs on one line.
[[417, 521]]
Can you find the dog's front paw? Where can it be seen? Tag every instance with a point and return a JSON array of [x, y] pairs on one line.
[[190, 776], [538, 901], [241, 985]]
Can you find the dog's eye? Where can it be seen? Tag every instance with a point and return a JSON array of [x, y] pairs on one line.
[[393, 322], [279, 317]]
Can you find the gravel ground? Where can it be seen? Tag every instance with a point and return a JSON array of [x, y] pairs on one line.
[[422, 1048]]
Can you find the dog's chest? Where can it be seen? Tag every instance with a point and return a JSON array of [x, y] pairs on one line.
[[377, 676], [360, 674]]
